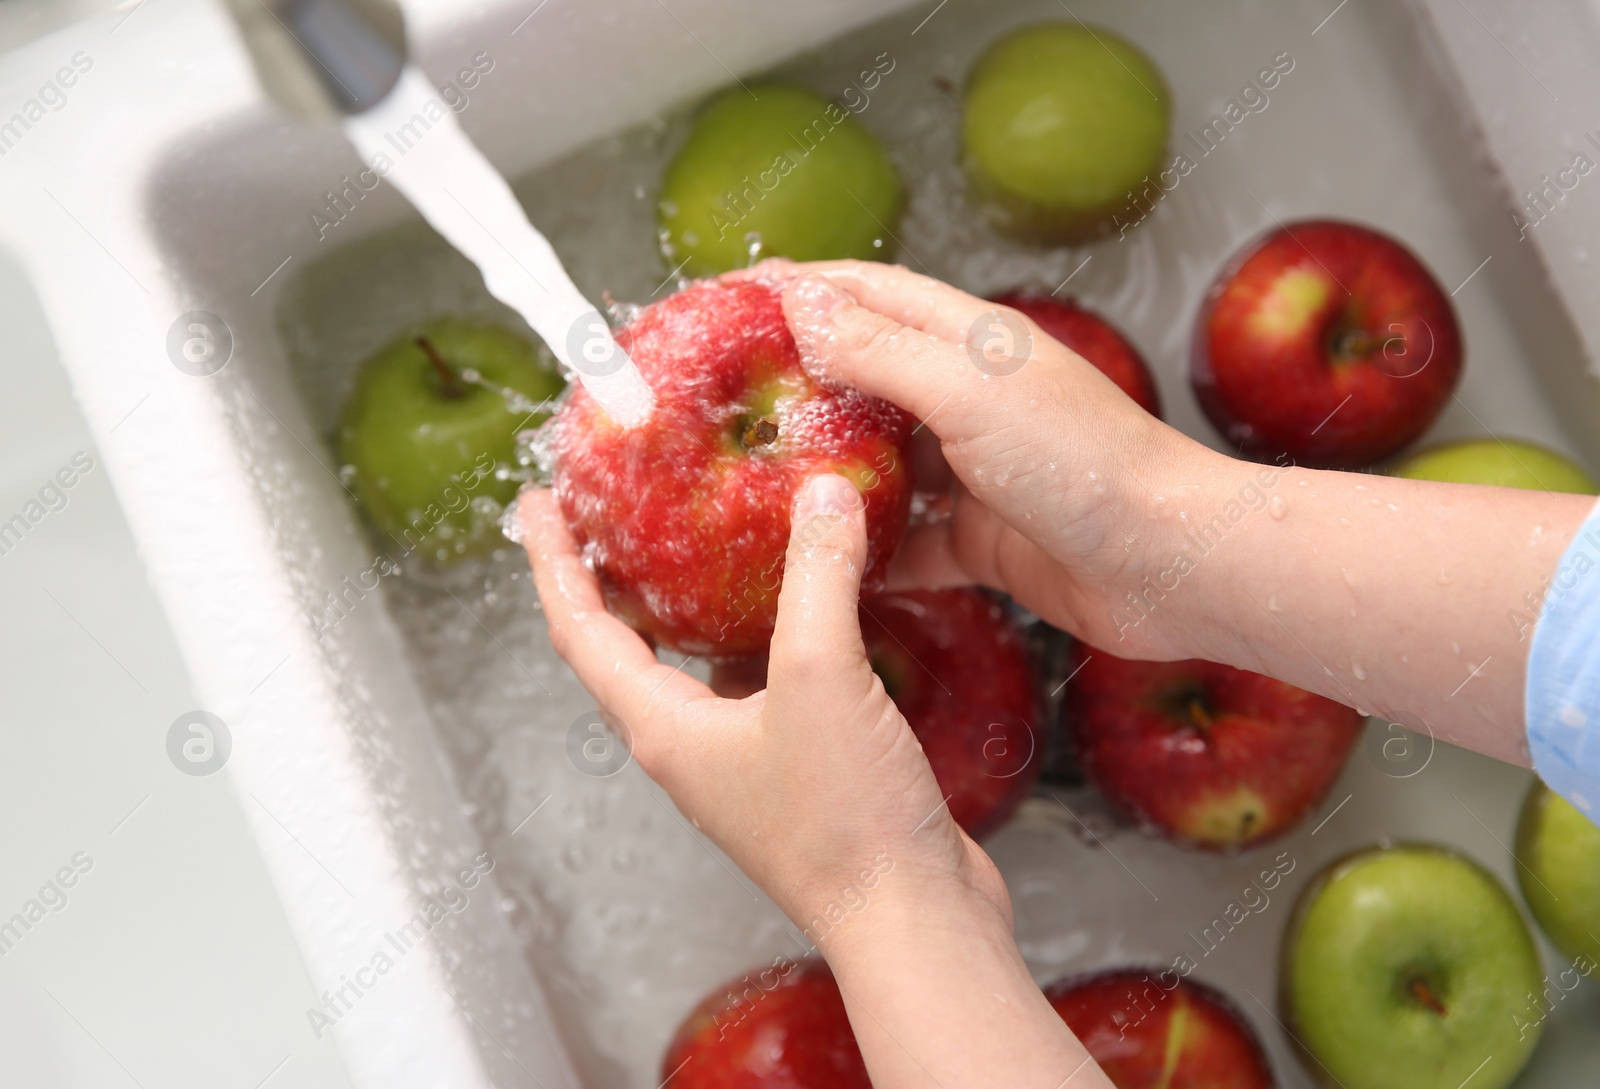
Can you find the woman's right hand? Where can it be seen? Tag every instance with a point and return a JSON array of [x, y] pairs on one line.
[[1067, 492]]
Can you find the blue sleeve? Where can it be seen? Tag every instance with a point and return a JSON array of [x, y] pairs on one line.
[[1563, 700]]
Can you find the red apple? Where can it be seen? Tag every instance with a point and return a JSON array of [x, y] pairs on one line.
[[958, 670], [961, 674], [783, 1027], [1158, 1030], [1204, 753], [1325, 341], [1094, 338], [685, 518]]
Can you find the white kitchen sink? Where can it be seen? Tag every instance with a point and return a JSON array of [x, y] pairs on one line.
[[167, 187]]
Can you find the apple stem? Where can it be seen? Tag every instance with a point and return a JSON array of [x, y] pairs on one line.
[[1197, 712], [1353, 344], [1423, 993], [762, 432], [448, 379]]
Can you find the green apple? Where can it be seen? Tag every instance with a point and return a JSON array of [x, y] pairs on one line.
[[1062, 124], [1509, 463], [1558, 855], [783, 164], [428, 437], [1405, 968]]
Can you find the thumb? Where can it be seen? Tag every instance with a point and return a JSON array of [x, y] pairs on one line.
[[818, 633]]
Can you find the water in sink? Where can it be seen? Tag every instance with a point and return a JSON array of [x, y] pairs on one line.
[[628, 916]]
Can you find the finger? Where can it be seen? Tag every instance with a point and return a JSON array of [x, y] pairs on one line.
[[958, 550], [818, 633], [973, 547], [926, 560], [910, 298], [929, 468], [914, 300], [609, 657], [775, 270], [922, 373]]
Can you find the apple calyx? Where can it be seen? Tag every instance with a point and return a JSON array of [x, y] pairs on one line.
[[1423, 993], [450, 384]]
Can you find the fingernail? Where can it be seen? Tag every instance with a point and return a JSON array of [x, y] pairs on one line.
[[829, 493], [816, 298]]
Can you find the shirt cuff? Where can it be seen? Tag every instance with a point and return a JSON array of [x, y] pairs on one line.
[[1564, 674]]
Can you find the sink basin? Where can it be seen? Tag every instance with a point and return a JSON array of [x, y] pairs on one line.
[[169, 202]]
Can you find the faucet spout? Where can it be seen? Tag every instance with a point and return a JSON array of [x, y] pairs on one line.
[[324, 58]]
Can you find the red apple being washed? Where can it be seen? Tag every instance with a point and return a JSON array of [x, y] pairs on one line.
[[685, 518], [782, 1027], [956, 667], [1204, 753], [1325, 341], [1094, 338], [1158, 1030]]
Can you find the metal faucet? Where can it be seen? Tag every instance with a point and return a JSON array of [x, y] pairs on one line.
[[324, 58]]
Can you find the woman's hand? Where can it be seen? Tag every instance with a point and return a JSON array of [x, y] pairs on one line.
[[1408, 599], [817, 788], [1067, 492], [822, 739]]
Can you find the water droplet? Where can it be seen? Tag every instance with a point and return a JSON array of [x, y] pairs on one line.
[[511, 524], [1360, 674], [1277, 508], [575, 857]]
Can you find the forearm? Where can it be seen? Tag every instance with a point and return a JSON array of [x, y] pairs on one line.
[[1406, 599], [939, 998]]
